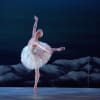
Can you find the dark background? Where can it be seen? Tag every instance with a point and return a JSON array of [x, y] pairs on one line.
[[71, 23]]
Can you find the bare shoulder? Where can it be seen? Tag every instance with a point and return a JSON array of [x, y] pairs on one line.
[[30, 42]]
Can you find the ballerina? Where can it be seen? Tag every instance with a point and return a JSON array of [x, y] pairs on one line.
[[36, 53]]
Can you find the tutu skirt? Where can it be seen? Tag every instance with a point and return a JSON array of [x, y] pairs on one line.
[[33, 61]]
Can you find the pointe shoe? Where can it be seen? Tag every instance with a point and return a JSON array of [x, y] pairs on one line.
[[35, 87], [61, 49]]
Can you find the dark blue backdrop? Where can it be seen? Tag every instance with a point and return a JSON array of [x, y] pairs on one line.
[[73, 23]]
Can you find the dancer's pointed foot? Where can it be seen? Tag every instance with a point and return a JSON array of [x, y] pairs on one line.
[[35, 91], [61, 49], [35, 87]]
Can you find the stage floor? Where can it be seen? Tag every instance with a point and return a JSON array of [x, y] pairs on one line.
[[26, 93]]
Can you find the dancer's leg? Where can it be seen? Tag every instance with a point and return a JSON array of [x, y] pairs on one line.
[[37, 76], [58, 49]]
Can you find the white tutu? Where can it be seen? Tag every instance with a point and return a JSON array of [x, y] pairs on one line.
[[32, 61]]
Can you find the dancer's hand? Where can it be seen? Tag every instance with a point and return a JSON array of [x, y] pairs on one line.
[[36, 18]]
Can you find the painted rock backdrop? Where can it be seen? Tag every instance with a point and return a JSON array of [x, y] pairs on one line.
[[81, 72]]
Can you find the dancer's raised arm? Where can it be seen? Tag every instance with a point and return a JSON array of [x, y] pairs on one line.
[[35, 25]]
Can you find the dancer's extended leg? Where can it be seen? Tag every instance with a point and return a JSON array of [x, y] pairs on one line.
[[58, 49]]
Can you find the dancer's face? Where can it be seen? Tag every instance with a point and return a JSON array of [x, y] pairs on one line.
[[39, 33]]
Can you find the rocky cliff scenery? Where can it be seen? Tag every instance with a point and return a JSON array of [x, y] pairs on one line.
[[81, 72]]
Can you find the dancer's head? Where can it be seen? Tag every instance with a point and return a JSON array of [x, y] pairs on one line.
[[39, 33]]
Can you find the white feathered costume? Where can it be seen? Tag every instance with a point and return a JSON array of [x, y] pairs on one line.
[[33, 61]]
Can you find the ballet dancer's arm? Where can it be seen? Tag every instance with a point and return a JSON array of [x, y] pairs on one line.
[[35, 26]]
